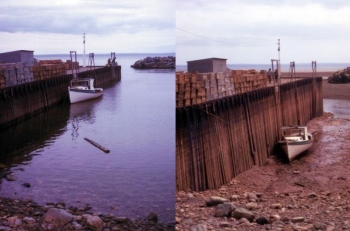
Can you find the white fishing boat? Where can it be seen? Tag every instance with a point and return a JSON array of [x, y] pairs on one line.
[[82, 90], [295, 140]]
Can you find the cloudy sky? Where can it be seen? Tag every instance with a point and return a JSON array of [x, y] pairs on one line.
[[57, 27], [248, 31]]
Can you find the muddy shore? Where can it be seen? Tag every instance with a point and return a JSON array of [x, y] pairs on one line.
[[309, 193]]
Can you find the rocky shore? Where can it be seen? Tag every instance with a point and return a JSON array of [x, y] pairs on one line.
[[28, 215], [309, 193], [155, 63]]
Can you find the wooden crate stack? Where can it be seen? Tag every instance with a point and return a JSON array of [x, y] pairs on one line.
[[248, 80], [196, 88], [4, 73], [46, 69], [13, 74]]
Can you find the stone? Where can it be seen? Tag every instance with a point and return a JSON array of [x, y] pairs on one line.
[[224, 224], [11, 177], [251, 205], [152, 217], [320, 226], [14, 221], [262, 221], [215, 200], [58, 216], [239, 213], [27, 185], [297, 219], [189, 195], [94, 222], [312, 195], [199, 227], [276, 206], [29, 220], [225, 209], [274, 217], [252, 197], [4, 228], [234, 198], [77, 226]]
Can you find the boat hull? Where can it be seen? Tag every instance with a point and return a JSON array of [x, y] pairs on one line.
[[294, 148], [76, 95]]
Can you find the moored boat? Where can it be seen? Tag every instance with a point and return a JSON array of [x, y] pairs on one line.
[[295, 140], [82, 90]]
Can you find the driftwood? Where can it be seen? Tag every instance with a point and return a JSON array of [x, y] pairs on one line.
[[97, 145]]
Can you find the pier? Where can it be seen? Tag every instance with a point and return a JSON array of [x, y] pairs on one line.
[[20, 101], [218, 139]]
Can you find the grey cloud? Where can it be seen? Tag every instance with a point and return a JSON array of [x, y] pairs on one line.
[[94, 17]]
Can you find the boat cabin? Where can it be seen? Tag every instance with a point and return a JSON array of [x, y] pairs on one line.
[[83, 84], [294, 133]]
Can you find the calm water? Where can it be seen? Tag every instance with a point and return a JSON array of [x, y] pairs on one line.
[[135, 119], [285, 67], [339, 107]]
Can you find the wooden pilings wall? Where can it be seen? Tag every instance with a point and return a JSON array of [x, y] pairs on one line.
[[21, 101], [103, 75], [220, 139]]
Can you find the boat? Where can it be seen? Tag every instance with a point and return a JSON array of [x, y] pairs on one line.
[[82, 89], [295, 140]]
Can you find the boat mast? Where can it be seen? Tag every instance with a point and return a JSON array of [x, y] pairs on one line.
[[84, 50]]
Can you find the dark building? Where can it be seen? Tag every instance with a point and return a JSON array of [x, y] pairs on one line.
[[20, 56], [207, 65]]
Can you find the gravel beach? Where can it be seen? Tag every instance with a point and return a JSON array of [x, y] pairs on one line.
[[309, 193]]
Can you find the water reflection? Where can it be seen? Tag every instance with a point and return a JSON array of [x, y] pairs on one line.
[[82, 112], [31, 134], [19, 141]]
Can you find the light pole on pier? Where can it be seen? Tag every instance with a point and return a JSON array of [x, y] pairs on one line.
[[279, 59]]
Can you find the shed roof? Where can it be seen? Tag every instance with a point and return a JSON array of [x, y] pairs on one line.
[[17, 50], [207, 59]]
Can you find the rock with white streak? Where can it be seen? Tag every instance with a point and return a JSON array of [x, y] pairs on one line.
[[215, 200], [239, 213]]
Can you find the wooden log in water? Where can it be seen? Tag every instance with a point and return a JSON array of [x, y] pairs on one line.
[[97, 145]]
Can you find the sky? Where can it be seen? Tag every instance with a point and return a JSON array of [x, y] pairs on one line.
[[247, 32], [57, 27]]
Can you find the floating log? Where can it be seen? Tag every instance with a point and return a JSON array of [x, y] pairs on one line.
[[97, 145]]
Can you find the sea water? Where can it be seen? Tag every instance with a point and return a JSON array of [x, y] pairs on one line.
[[134, 119]]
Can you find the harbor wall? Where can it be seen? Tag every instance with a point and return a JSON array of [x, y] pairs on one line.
[[24, 100], [219, 139]]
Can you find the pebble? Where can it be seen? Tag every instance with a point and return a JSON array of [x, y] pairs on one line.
[[297, 219]]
